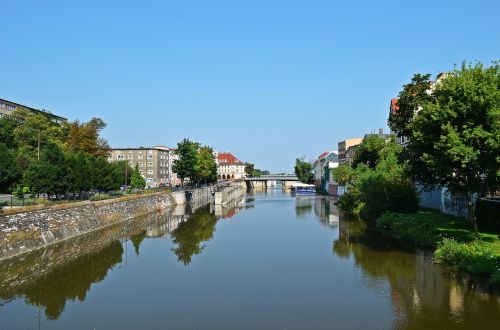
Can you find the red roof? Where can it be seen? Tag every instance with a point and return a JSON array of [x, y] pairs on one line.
[[394, 105], [227, 158], [323, 155]]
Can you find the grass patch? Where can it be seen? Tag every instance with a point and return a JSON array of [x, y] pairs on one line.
[[452, 238]]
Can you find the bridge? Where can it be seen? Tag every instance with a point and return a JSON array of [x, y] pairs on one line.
[[274, 177], [265, 180]]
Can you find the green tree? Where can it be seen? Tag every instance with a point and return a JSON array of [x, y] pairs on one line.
[[7, 127], [368, 152], [304, 170], [136, 179], [79, 171], [49, 174], [411, 99], [10, 172], [206, 167], [188, 158], [249, 169], [455, 138], [343, 174]]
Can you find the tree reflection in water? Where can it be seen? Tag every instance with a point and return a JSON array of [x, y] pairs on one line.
[[190, 234], [422, 293], [71, 281]]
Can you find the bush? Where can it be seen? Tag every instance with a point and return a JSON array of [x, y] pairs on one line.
[[476, 257], [349, 203], [385, 192]]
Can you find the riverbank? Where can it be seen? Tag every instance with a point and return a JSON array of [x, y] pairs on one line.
[[452, 240]]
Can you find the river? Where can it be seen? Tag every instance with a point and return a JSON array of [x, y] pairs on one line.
[[271, 261]]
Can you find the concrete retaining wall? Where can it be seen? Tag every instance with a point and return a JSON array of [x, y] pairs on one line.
[[27, 231], [228, 194]]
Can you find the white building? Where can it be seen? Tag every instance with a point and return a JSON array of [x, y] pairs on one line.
[[229, 167]]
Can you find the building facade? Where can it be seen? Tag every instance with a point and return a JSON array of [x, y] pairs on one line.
[[229, 167], [153, 163], [344, 147], [8, 107]]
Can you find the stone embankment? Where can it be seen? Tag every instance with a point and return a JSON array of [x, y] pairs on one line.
[[23, 231]]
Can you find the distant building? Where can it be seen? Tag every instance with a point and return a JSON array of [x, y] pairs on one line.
[[153, 163], [7, 107], [344, 146], [229, 167], [323, 167]]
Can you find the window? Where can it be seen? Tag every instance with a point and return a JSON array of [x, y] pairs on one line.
[[130, 157], [150, 156], [150, 171], [119, 157], [150, 152], [140, 157], [140, 164], [150, 164]]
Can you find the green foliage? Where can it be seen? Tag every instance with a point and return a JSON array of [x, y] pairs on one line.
[[488, 214], [7, 127], [387, 189], [475, 257], [249, 168], [206, 167], [188, 158], [368, 152], [136, 179], [455, 138], [343, 174], [304, 170], [10, 171], [49, 174], [413, 96]]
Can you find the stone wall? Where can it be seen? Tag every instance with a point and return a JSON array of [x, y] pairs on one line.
[[26, 231]]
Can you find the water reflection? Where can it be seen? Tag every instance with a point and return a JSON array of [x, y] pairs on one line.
[[49, 278], [422, 293]]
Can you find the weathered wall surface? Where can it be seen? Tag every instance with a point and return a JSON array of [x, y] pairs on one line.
[[23, 232], [228, 194]]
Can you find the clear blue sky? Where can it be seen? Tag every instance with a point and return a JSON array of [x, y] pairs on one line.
[[267, 80]]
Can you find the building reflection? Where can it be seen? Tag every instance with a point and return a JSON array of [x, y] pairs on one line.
[[48, 278], [423, 294]]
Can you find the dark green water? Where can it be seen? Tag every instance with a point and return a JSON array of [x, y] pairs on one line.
[[274, 262]]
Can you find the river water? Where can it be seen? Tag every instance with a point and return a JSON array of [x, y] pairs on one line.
[[270, 261]]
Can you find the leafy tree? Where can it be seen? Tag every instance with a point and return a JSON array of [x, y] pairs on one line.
[[106, 176], [85, 137], [249, 169], [411, 99], [304, 170], [136, 179], [35, 130], [7, 127], [343, 174], [10, 172], [455, 139], [188, 158], [368, 152], [206, 167], [49, 174], [79, 171]]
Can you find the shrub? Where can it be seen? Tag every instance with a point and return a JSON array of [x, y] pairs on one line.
[[349, 202], [475, 257]]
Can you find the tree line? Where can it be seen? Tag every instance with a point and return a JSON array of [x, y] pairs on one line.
[[39, 156], [453, 132]]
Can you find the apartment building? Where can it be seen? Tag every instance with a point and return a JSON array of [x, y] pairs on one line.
[[229, 167], [153, 163], [8, 107], [346, 157]]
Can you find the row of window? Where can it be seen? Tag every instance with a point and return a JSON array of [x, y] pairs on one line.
[[7, 106]]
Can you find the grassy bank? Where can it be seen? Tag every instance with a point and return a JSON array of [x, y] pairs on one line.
[[452, 239]]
